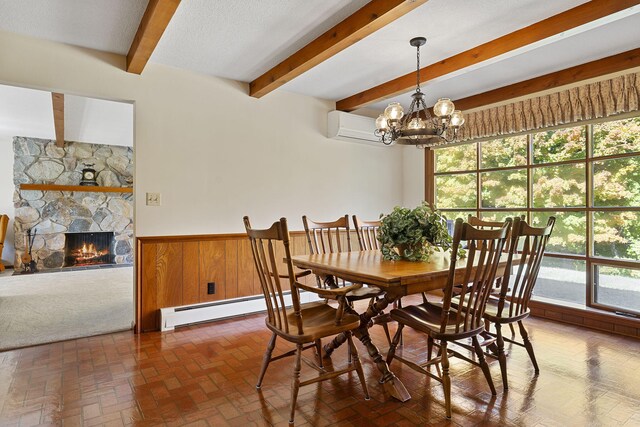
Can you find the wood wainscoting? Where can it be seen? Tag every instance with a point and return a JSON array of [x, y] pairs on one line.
[[176, 270]]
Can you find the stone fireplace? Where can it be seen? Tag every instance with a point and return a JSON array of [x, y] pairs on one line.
[[82, 249], [59, 216]]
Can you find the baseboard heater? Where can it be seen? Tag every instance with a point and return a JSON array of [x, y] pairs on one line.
[[171, 317]]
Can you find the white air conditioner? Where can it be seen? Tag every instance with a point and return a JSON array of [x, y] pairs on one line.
[[352, 128]]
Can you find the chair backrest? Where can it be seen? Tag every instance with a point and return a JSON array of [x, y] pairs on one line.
[[492, 225], [328, 237], [517, 287], [484, 249], [263, 247], [367, 234]]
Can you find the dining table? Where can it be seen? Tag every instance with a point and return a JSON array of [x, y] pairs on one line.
[[397, 278]]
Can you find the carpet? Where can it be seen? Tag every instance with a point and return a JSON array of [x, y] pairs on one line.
[[48, 307]]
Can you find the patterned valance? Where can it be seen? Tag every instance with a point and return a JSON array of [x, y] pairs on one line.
[[591, 101]]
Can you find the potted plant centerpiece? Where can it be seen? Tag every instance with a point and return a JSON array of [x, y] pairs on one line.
[[413, 234]]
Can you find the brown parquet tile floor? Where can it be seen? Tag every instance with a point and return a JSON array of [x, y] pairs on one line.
[[205, 375]]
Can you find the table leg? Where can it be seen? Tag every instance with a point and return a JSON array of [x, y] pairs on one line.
[[392, 384]]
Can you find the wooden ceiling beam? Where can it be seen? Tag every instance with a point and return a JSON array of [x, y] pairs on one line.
[[152, 25], [370, 18], [601, 67], [58, 117], [567, 20]]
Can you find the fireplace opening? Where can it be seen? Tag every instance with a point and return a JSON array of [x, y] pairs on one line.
[[89, 249]]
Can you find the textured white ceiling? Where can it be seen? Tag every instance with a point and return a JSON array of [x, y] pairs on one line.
[[586, 46], [29, 112], [242, 39], [107, 25], [450, 26]]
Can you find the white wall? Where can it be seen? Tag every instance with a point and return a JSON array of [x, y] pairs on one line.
[[214, 152], [412, 176], [6, 194]]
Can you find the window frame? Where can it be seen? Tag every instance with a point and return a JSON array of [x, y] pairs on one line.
[[589, 257]]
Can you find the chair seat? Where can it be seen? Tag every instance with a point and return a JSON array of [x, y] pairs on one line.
[[427, 318], [319, 321], [491, 312], [365, 292]]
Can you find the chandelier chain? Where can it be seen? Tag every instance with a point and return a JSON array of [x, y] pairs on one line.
[[418, 70]]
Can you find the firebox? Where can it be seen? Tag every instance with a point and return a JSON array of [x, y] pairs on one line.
[[89, 249]]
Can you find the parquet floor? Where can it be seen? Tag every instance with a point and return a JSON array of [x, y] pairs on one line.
[[205, 375]]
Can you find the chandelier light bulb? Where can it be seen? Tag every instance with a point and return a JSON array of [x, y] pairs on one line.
[[457, 118], [444, 107], [381, 123], [416, 123], [394, 111]]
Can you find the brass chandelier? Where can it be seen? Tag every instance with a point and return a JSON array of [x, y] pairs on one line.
[[417, 127]]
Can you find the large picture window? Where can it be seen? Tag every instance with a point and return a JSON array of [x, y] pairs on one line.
[[588, 177]]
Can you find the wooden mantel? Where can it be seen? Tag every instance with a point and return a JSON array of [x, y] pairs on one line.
[[85, 188]]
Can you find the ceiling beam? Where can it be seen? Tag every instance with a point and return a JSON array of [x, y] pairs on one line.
[[554, 25], [152, 26], [601, 67], [58, 117], [370, 18]]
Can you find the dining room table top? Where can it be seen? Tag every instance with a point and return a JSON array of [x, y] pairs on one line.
[[371, 268]]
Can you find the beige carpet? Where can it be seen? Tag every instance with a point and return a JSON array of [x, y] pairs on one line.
[[48, 307]]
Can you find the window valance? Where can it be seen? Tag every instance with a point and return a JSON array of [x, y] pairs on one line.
[[590, 101]]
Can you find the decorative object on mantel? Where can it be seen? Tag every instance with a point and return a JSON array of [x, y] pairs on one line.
[[417, 127], [88, 175], [413, 234]]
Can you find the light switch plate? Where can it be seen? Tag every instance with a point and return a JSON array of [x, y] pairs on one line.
[[153, 199]]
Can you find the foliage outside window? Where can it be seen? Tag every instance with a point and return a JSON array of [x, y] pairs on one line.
[[588, 177], [559, 145], [503, 153]]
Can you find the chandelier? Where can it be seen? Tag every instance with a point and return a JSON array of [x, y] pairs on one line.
[[417, 127]]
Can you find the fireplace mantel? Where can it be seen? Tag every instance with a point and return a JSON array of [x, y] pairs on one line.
[[85, 188]]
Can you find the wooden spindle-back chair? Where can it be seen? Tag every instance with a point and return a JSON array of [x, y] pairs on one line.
[[335, 237], [512, 305], [300, 324], [492, 225], [367, 234], [474, 276]]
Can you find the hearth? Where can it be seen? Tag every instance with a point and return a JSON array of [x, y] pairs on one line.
[[89, 249]]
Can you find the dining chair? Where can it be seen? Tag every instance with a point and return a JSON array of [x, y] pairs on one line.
[[4, 221], [512, 305], [335, 237], [367, 232], [301, 324], [445, 324], [491, 225]]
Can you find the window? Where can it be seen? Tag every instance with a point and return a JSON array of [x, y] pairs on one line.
[[588, 177]]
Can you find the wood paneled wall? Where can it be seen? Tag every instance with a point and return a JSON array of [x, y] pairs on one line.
[[175, 270]]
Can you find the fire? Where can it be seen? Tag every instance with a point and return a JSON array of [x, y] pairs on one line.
[[87, 253]]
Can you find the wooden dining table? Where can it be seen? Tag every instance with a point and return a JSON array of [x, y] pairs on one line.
[[396, 278]]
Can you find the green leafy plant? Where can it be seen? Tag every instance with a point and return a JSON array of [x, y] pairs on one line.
[[413, 234]]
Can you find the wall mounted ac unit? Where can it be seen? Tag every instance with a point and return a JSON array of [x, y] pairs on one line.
[[352, 128]]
